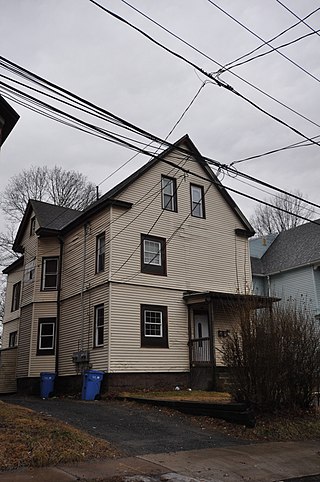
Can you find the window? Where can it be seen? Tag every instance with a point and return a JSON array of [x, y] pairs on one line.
[[16, 291], [169, 194], [153, 255], [98, 325], [50, 273], [32, 226], [197, 201], [13, 339], [100, 253], [46, 336], [154, 326], [29, 271]]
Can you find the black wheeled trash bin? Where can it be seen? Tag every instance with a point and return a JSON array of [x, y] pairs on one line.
[[47, 384], [91, 384]]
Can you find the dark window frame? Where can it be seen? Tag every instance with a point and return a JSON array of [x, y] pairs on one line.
[[202, 203], [44, 273], [97, 309], [13, 338], [32, 226], [16, 296], [148, 268], [174, 197], [100, 255], [149, 341], [43, 351]]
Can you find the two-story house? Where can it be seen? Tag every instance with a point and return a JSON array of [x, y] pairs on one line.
[[287, 265], [144, 284]]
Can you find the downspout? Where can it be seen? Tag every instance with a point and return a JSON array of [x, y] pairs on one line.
[[269, 286], [85, 228], [58, 307], [110, 298]]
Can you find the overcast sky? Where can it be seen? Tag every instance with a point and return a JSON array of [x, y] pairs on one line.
[[77, 46]]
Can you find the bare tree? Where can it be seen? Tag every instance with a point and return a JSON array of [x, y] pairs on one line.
[[57, 186], [283, 216]]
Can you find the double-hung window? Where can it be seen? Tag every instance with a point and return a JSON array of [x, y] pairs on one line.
[[98, 325], [169, 193], [16, 293], [154, 326], [50, 267], [100, 252], [153, 255], [29, 271], [46, 336], [13, 339], [32, 226], [197, 201]]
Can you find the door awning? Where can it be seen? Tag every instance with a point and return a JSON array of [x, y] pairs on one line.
[[251, 301]]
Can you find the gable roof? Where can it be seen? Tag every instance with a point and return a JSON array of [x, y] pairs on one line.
[[190, 149], [14, 265], [10, 118], [293, 248], [51, 219]]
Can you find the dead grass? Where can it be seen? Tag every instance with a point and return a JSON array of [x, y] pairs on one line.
[[272, 428], [29, 439], [182, 395]]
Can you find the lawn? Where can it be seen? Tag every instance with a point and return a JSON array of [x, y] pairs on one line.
[[29, 439]]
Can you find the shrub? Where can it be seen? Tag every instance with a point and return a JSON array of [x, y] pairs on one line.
[[274, 357]]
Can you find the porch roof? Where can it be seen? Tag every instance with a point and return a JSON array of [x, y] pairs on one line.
[[253, 301]]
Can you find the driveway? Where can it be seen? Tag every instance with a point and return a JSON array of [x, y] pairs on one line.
[[134, 429]]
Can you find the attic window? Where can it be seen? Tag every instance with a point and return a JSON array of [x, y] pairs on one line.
[[32, 226], [50, 273], [169, 193]]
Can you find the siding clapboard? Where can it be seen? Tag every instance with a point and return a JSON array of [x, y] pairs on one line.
[[24, 340]]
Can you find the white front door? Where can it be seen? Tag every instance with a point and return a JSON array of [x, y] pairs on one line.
[[201, 347]]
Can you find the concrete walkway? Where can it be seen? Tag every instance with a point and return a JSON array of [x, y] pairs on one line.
[[266, 462]]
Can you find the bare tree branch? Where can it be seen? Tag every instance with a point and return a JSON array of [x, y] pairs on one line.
[[267, 220]]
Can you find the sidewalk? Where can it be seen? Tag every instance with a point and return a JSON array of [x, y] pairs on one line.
[[264, 462]]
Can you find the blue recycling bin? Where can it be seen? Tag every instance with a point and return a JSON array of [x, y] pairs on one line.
[[91, 384], [47, 384]]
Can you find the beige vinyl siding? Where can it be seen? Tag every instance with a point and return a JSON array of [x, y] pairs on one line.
[[8, 362], [23, 357], [8, 328], [30, 246], [202, 255], [13, 278], [126, 352], [223, 320], [79, 259], [41, 363], [71, 331], [47, 247]]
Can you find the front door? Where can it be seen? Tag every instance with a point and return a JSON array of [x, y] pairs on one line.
[[201, 347]]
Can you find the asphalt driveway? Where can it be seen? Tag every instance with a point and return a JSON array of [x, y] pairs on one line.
[[134, 429]]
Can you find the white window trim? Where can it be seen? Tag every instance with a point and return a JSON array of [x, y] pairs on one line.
[[44, 273], [153, 323], [40, 335], [96, 311], [153, 260]]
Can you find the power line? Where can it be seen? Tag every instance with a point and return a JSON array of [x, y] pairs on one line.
[[273, 49], [130, 126], [266, 42], [263, 40], [300, 19], [269, 96]]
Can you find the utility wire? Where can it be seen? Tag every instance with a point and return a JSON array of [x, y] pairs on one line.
[[144, 151], [269, 96], [266, 42], [147, 134], [300, 19], [202, 71], [273, 49], [263, 40]]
